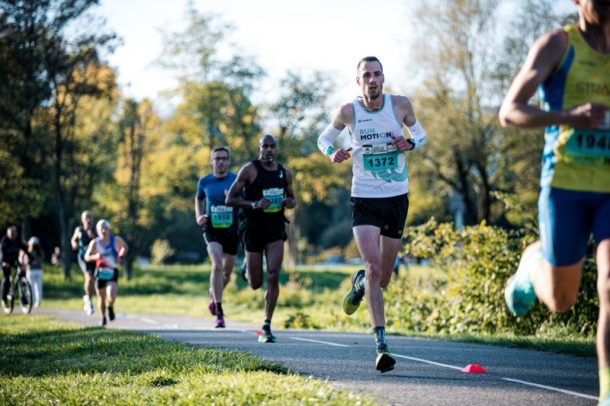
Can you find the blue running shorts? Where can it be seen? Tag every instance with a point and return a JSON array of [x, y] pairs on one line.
[[567, 218]]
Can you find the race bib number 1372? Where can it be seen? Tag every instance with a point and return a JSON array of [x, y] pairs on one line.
[[380, 157]]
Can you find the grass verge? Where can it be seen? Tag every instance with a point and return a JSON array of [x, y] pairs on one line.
[[310, 298], [47, 362]]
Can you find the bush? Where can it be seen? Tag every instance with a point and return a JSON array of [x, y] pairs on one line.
[[160, 251], [476, 262]]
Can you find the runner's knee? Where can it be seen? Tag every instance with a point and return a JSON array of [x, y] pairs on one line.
[[561, 301], [273, 277], [373, 272]]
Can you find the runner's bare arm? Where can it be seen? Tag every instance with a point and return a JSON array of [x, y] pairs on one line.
[[74, 239], [234, 198], [91, 254], [290, 200], [544, 57], [200, 215]]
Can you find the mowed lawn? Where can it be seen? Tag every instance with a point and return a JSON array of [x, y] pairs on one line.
[[309, 297], [46, 362]]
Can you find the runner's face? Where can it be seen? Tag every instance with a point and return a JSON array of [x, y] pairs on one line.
[[267, 149], [220, 163], [87, 219], [370, 78], [103, 231], [11, 232]]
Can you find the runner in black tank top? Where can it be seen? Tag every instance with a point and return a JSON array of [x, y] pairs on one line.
[[271, 185], [80, 241], [267, 189]]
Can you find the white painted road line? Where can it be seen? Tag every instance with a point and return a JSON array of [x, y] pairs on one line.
[[319, 342], [569, 392], [425, 361], [147, 320]]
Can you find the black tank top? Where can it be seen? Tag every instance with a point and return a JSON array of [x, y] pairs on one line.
[[270, 185], [84, 240]]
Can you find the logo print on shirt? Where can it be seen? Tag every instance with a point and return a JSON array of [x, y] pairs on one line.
[[281, 174]]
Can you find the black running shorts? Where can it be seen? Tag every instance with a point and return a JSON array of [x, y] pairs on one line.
[[387, 213], [256, 237], [227, 239], [101, 284]]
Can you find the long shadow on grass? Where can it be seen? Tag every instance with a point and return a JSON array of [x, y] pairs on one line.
[[97, 350]]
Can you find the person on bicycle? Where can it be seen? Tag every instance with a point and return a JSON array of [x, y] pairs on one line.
[[13, 249], [108, 251]]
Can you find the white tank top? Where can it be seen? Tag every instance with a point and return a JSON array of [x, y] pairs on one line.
[[379, 168], [109, 253]]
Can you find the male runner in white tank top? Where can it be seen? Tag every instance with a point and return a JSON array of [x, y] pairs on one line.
[[380, 185]]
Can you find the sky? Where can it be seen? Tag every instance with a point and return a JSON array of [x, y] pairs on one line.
[[301, 35], [328, 35]]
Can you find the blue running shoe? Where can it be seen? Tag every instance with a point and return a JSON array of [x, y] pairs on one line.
[[519, 293]]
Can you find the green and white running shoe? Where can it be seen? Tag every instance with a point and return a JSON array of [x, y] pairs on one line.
[[266, 336], [519, 293], [384, 361], [352, 299]]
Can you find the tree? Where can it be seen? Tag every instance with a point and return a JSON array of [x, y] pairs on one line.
[[299, 113], [122, 197], [468, 152], [49, 63]]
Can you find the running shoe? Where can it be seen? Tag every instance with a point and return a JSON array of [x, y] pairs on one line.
[[266, 336], [88, 306], [103, 322], [220, 322], [111, 315], [352, 299], [384, 361], [212, 305], [242, 272], [519, 293]]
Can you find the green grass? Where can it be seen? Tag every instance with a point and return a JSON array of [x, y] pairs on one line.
[[310, 298], [47, 362]]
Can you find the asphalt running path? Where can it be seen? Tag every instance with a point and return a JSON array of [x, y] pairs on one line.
[[428, 372]]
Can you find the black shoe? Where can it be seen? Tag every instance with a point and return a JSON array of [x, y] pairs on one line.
[[111, 315], [384, 361], [220, 322], [103, 322], [352, 299]]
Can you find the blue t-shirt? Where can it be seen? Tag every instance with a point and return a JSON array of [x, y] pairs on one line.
[[214, 190]]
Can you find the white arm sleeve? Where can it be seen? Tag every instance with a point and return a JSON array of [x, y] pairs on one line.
[[418, 134], [326, 139]]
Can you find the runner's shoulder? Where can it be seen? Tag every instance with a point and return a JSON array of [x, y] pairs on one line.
[[346, 113]]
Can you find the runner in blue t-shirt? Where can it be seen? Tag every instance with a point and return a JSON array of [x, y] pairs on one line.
[[220, 226]]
